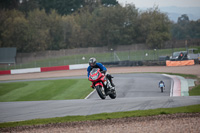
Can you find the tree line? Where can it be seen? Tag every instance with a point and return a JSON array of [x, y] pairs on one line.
[[36, 25], [186, 29]]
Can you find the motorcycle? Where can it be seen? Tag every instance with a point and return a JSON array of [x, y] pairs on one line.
[[102, 84], [162, 87]]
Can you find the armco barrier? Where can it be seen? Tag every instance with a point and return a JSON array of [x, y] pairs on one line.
[[154, 63], [78, 66], [123, 63], [27, 70], [55, 68], [44, 69], [135, 63], [73, 67], [83, 66], [5, 72]]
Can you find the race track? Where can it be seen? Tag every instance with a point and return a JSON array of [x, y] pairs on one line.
[[134, 92], [139, 85]]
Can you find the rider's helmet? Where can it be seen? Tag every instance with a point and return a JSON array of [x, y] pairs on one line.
[[92, 62]]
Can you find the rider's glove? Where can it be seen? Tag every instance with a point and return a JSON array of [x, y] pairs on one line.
[[103, 71]]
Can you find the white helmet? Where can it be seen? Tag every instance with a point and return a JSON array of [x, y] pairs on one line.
[[92, 62]]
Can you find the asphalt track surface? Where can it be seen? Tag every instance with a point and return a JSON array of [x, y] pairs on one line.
[[134, 92]]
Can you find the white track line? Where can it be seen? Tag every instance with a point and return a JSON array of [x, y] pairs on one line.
[[90, 94], [172, 84]]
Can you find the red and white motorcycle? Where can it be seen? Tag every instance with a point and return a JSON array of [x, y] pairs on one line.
[[102, 84]]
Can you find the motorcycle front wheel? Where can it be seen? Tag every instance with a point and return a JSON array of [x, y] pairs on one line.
[[101, 92]]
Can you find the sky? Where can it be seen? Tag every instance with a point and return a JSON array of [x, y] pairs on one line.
[[161, 3]]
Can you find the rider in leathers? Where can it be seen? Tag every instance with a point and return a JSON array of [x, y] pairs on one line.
[[94, 64]]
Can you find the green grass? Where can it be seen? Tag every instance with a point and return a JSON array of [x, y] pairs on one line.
[[45, 90], [103, 116], [195, 91], [183, 75], [198, 49]]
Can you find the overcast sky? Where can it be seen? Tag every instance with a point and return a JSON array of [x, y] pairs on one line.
[[162, 3]]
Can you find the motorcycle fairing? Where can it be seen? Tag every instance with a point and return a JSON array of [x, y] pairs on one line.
[[95, 74], [99, 83]]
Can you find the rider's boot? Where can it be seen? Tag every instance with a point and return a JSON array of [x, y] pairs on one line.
[[112, 89], [112, 86], [110, 78], [112, 83]]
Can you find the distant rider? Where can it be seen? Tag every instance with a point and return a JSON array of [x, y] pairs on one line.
[[161, 84], [94, 64]]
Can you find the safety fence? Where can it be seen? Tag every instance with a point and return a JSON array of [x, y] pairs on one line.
[[108, 56]]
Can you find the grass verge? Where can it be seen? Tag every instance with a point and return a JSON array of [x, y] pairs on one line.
[[103, 116], [45, 90], [195, 91], [183, 75]]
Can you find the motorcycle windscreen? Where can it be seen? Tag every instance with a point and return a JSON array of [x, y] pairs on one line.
[[94, 71], [94, 74]]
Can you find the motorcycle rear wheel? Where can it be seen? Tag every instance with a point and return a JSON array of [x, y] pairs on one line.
[[161, 89], [101, 92], [113, 95]]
